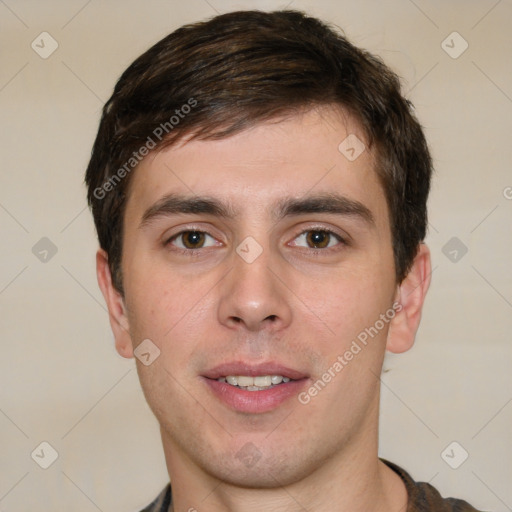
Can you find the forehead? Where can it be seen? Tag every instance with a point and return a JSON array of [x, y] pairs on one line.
[[319, 152]]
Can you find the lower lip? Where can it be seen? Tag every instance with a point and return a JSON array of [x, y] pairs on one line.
[[255, 402]]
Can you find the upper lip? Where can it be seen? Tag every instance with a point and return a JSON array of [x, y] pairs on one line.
[[253, 370]]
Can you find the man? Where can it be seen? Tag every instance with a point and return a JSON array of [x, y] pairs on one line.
[[259, 189]]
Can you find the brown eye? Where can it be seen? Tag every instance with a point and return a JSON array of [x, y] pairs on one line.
[[190, 240], [318, 239]]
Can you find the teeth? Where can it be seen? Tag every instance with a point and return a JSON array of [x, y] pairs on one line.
[[254, 383], [263, 382], [244, 381]]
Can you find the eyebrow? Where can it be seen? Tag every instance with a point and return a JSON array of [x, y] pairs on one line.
[[174, 204]]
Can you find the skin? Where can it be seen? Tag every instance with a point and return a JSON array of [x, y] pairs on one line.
[[298, 304]]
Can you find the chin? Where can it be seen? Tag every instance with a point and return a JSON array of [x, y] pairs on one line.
[[249, 468], [261, 476]]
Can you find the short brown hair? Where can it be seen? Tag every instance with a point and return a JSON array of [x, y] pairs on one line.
[[213, 79]]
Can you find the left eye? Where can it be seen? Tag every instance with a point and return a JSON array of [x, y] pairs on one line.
[[191, 239], [319, 239]]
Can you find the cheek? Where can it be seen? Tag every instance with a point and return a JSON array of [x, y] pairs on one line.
[[171, 311], [346, 380], [348, 302], [157, 296], [151, 310]]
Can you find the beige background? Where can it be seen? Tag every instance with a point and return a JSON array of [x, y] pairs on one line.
[[61, 380]]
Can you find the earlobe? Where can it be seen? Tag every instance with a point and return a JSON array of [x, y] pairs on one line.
[[116, 306], [411, 296]]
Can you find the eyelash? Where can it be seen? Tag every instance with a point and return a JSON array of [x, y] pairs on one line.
[[315, 251]]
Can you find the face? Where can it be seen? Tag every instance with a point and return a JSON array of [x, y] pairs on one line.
[[255, 264]]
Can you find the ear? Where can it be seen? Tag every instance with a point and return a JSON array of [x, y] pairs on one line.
[[115, 304], [411, 296]]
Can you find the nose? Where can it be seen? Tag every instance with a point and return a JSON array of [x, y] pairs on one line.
[[254, 296]]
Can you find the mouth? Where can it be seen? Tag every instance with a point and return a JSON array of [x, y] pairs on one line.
[[254, 389]]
